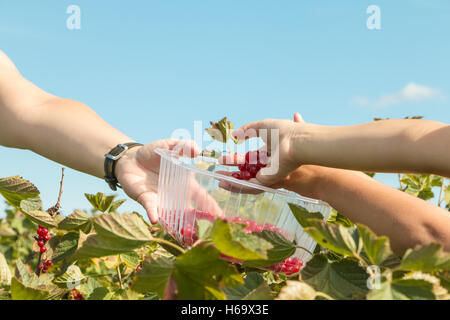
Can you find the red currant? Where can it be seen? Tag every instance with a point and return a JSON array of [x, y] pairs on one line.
[[48, 263], [40, 243], [236, 175], [47, 237], [43, 249], [245, 175]]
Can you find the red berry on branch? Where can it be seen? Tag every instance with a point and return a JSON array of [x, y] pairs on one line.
[[48, 263], [40, 267], [47, 237], [40, 243], [43, 249], [44, 270]]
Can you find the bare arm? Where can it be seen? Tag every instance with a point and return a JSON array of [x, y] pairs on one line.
[[409, 146], [414, 146], [70, 133], [62, 130], [406, 220]]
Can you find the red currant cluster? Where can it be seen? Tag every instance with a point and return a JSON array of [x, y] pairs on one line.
[[76, 295], [45, 265], [189, 237], [254, 161], [42, 237], [289, 266]]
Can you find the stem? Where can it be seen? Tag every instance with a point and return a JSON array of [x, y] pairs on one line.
[[60, 188], [441, 192], [400, 181], [38, 271], [120, 277], [303, 248], [173, 245]]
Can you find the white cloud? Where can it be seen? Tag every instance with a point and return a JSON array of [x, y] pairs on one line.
[[412, 92]]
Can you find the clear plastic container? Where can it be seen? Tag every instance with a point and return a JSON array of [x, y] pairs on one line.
[[191, 189]]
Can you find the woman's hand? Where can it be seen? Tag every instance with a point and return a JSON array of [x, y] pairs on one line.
[[138, 171], [280, 137]]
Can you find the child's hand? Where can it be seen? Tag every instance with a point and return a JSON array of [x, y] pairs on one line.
[[279, 137]]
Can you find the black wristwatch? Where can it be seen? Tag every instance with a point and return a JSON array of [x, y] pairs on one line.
[[111, 159]]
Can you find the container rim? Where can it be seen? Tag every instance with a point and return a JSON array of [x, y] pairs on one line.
[[171, 156]]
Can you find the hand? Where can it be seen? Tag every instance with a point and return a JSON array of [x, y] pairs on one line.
[[138, 171], [282, 156]]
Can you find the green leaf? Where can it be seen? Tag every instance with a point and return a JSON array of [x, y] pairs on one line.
[[426, 258], [297, 290], [334, 237], [377, 249], [128, 226], [100, 201], [99, 293], [115, 233], [280, 251], [39, 217], [232, 240], [15, 189], [5, 272], [72, 278], [19, 291], [200, 274], [447, 195], [336, 217], [154, 276], [204, 229], [302, 215], [115, 205], [402, 289], [74, 221], [221, 131], [64, 246], [254, 288], [343, 279], [94, 245], [7, 231], [131, 259]]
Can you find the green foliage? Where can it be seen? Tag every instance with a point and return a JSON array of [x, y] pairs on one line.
[[108, 255], [221, 130]]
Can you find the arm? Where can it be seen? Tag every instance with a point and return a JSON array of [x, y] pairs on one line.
[[406, 220], [62, 130], [413, 146], [72, 134]]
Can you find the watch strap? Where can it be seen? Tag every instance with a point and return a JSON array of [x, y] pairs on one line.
[[111, 159]]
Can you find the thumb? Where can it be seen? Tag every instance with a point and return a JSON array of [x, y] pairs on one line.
[[148, 201]]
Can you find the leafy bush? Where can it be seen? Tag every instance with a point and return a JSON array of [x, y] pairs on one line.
[[103, 254]]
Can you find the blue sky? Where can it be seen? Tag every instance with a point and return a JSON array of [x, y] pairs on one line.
[[149, 67]]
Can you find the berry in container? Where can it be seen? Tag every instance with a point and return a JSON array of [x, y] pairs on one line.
[[192, 189]]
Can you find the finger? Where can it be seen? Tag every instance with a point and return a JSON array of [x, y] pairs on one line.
[[232, 159], [269, 179], [187, 148], [250, 130], [298, 118], [148, 201], [236, 187]]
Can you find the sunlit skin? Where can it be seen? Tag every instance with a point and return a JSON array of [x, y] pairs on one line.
[[405, 219], [71, 133]]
